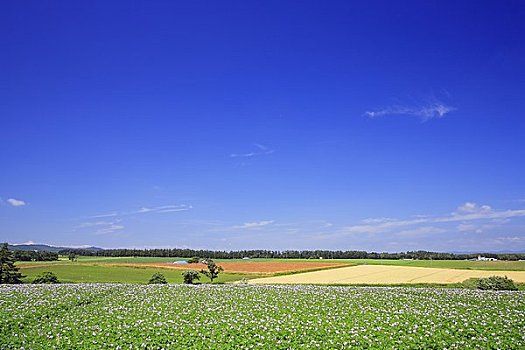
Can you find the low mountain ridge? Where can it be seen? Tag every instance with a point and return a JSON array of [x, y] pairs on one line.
[[47, 248]]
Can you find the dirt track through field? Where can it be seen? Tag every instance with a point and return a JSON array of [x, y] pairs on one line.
[[29, 266], [262, 267], [381, 274]]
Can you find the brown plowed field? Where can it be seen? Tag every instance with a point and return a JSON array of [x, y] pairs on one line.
[[263, 267]]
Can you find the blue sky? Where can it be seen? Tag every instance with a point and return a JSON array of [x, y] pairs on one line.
[[367, 125]]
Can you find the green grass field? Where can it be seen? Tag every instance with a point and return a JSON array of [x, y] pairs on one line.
[[87, 273], [448, 264]]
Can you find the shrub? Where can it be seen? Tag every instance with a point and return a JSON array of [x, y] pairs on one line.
[[190, 276], [471, 283], [157, 278], [46, 277], [496, 283], [193, 260]]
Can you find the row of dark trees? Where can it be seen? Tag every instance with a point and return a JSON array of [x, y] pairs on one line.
[[286, 254], [29, 255]]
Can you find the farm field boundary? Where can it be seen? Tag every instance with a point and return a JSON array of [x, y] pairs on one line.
[[265, 267]]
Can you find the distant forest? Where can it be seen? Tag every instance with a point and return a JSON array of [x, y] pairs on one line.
[[286, 254], [24, 255]]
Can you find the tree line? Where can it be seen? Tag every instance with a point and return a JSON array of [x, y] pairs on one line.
[[286, 254], [29, 255]]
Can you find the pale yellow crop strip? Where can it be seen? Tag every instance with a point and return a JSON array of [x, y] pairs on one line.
[[380, 274]]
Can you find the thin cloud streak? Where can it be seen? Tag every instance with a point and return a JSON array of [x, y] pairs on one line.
[[254, 225], [143, 210], [435, 110], [97, 223], [262, 151], [109, 230], [162, 209], [102, 216]]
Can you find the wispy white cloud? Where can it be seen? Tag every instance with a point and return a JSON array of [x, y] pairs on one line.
[[112, 222], [465, 213], [433, 110], [16, 202], [100, 227], [103, 215], [143, 210], [514, 240], [163, 209], [97, 223], [473, 208], [468, 228], [262, 150], [421, 231], [109, 229], [376, 220], [471, 211], [254, 225]]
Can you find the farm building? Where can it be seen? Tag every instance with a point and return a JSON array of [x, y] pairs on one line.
[[483, 258], [180, 262]]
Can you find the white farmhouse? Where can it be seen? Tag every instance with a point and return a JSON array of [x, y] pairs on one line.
[[483, 258]]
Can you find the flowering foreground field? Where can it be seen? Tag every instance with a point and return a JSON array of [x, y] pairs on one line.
[[91, 316]]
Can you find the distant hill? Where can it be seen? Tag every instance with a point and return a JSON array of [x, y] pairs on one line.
[[47, 248]]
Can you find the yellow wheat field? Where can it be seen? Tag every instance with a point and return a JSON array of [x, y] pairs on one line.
[[380, 274]]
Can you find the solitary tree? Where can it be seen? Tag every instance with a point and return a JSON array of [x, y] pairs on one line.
[[157, 278], [72, 256], [213, 270], [190, 276], [8, 271]]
